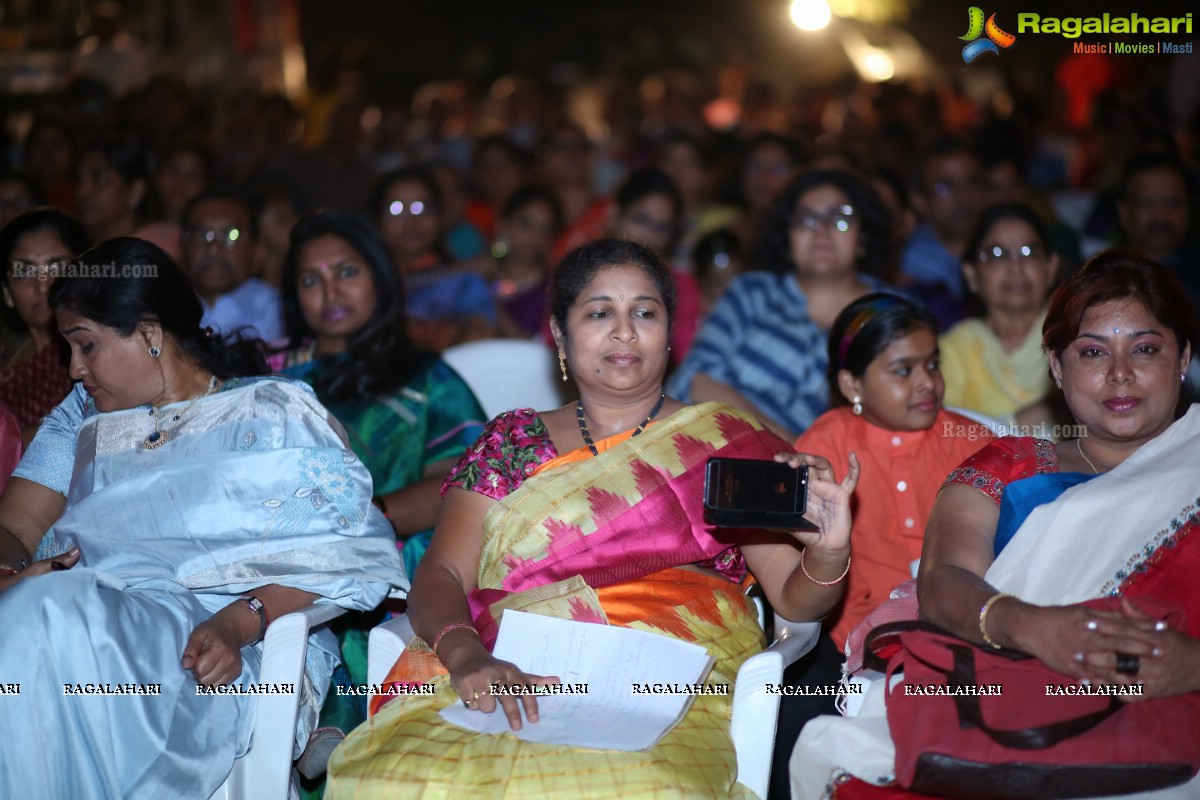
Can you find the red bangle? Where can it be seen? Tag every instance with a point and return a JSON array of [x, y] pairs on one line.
[[452, 626]]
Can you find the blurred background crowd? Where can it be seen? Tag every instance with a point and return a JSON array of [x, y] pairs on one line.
[[484, 141]]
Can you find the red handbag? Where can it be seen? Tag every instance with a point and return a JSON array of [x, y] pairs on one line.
[[981, 724]]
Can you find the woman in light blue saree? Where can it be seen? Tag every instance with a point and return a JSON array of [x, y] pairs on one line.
[[171, 507]]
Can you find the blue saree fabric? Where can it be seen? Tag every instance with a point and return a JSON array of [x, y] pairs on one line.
[[1022, 497], [255, 487]]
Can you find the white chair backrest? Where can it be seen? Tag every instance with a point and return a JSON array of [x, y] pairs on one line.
[[996, 426], [508, 373]]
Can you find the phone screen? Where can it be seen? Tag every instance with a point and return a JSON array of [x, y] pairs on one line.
[[763, 486]]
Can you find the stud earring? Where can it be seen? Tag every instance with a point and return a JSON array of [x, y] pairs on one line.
[[562, 365], [1183, 377], [155, 351], [1058, 383], [856, 406]]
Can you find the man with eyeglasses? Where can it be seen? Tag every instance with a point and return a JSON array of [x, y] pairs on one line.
[[948, 196], [218, 253]]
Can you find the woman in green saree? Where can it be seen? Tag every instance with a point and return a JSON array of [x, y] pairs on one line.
[[408, 415]]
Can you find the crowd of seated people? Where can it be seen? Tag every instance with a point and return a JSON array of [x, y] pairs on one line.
[[696, 284]]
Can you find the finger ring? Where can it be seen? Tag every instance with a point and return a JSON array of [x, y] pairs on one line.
[[1128, 664], [1092, 625], [476, 697], [467, 703]]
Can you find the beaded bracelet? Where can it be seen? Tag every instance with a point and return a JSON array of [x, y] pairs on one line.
[[833, 582], [452, 626], [983, 612]]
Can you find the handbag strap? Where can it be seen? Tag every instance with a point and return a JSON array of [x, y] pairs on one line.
[[970, 711], [892, 630]]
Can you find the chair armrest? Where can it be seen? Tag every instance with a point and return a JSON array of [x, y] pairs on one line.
[[752, 724], [385, 643], [284, 649], [794, 639], [756, 709]]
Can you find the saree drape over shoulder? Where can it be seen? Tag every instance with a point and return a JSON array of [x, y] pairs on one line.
[[1133, 531], [255, 487], [599, 540]]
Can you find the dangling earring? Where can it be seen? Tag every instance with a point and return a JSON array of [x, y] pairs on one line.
[[856, 406], [562, 365], [155, 351], [1058, 383], [1183, 377]]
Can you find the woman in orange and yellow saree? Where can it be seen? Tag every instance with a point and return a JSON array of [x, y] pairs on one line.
[[593, 512]]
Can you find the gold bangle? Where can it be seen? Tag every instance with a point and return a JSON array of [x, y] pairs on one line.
[[983, 612], [833, 582]]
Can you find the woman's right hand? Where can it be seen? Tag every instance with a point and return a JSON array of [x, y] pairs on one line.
[[1081, 641], [59, 562], [474, 678], [828, 501]]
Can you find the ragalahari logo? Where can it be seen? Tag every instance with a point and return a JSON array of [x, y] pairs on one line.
[[996, 38]]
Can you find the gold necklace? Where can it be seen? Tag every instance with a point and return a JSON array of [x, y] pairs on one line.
[[1079, 446], [159, 436]]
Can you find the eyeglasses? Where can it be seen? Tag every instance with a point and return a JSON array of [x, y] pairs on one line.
[[226, 237], [643, 220], [996, 253], [416, 208], [840, 219], [945, 188]]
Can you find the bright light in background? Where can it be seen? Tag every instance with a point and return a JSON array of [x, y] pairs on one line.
[[810, 15], [878, 65]]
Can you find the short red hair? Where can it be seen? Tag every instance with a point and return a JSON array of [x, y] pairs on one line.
[[1120, 273]]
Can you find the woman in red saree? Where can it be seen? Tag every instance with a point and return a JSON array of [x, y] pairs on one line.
[[34, 247], [610, 532]]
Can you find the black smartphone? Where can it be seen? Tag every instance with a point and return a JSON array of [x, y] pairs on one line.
[[745, 493]]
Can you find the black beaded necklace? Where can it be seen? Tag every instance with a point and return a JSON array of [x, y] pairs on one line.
[[587, 436]]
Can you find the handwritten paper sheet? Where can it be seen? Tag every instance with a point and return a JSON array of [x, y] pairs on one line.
[[610, 660]]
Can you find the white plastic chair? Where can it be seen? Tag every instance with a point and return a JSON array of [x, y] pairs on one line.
[[265, 772], [755, 710], [996, 426], [508, 373]]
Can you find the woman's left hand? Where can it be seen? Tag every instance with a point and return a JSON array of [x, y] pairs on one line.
[[1173, 672], [43, 567], [214, 651], [828, 501]]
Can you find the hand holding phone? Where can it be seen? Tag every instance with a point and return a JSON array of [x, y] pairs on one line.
[[745, 493]]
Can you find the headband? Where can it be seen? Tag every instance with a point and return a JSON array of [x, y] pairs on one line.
[[860, 320]]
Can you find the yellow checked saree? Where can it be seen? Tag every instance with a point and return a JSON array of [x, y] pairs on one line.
[[594, 539]]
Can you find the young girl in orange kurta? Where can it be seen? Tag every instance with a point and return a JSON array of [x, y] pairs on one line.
[[886, 406], [886, 395]]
